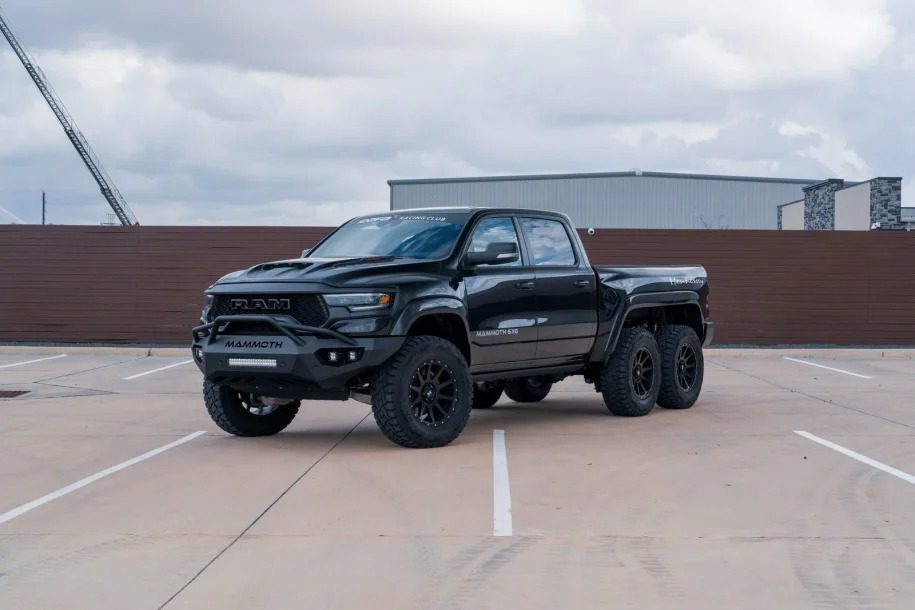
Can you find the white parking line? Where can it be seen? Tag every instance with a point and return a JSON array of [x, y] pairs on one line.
[[21, 510], [9, 366], [501, 491], [161, 368], [828, 368], [857, 456]]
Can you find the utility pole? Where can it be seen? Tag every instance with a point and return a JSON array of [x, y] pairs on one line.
[[44, 207]]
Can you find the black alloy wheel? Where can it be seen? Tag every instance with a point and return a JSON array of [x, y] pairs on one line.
[[682, 366], [643, 372], [631, 378], [687, 367], [422, 395], [433, 393]]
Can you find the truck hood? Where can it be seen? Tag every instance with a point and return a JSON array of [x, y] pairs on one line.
[[332, 271]]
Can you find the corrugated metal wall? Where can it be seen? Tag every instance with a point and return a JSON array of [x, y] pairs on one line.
[[618, 201], [145, 285]]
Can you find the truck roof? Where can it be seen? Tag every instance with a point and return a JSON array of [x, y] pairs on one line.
[[468, 210]]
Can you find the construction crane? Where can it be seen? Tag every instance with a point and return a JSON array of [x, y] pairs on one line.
[[106, 184]]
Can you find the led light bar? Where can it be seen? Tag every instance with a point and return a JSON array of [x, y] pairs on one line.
[[263, 363]]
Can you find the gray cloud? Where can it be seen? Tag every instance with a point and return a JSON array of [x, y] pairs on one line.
[[297, 112]]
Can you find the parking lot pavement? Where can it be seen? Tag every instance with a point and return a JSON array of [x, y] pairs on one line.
[[109, 496]]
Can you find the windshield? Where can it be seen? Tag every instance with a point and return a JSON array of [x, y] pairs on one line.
[[410, 236]]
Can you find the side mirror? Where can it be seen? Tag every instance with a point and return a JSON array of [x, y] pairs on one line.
[[496, 253], [305, 252]]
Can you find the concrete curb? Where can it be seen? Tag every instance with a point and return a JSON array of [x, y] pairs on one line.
[[813, 352], [98, 351]]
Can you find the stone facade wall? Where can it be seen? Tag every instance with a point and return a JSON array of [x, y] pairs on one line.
[[886, 203], [820, 205]]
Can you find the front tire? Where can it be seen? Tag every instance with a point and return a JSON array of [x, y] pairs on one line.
[[244, 414], [487, 393], [631, 379], [422, 395], [682, 367], [528, 389]]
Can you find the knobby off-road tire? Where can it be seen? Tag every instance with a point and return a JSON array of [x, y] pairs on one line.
[[243, 415], [682, 367], [423, 394], [631, 379], [487, 393], [528, 389]]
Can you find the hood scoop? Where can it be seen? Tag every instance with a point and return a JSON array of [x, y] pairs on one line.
[[279, 268], [282, 265]]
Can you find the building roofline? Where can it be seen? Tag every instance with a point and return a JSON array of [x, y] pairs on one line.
[[629, 174]]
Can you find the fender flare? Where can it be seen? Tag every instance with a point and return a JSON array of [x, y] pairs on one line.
[[643, 301]]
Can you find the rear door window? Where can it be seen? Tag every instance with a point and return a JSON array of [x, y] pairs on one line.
[[548, 242]]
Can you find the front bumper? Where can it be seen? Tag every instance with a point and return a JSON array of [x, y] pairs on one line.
[[288, 366]]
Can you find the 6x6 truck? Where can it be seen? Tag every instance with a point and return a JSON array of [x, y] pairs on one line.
[[426, 314]]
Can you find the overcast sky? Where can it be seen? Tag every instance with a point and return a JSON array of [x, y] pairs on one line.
[[297, 112]]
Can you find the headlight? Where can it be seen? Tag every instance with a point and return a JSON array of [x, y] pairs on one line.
[[360, 301], [205, 314]]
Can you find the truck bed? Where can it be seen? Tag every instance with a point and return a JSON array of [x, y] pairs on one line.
[[637, 280]]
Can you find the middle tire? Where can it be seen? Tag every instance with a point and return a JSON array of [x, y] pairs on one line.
[[487, 393], [422, 395], [631, 378], [528, 389]]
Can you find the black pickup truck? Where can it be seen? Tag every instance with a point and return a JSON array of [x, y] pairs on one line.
[[425, 314]]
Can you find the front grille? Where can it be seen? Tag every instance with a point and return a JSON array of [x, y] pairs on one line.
[[307, 309]]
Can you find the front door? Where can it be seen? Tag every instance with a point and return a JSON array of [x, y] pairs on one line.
[[501, 300]]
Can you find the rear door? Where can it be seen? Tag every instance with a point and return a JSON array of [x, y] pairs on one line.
[[565, 290], [501, 302]]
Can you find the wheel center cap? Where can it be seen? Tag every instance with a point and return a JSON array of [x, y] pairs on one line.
[[428, 392]]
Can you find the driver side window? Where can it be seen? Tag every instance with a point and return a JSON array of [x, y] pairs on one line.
[[494, 230]]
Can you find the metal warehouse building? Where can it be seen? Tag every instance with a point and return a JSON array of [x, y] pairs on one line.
[[633, 199]]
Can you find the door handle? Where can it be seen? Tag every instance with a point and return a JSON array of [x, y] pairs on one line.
[[524, 285], [581, 283]]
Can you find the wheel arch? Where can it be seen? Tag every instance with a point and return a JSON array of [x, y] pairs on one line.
[[438, 317], [653, 314]]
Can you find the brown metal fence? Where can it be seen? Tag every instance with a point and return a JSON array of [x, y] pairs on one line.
[[145, 285]]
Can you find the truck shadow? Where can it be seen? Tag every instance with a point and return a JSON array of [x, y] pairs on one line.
[[551, 415]]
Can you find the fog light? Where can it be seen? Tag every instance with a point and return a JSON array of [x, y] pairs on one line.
[[198, 354], [340, 357]]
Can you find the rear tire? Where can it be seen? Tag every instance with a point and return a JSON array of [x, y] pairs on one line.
[[528, 389], [422, 395], [682, 367], [631, 379], [243, 414], [487, 393]]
